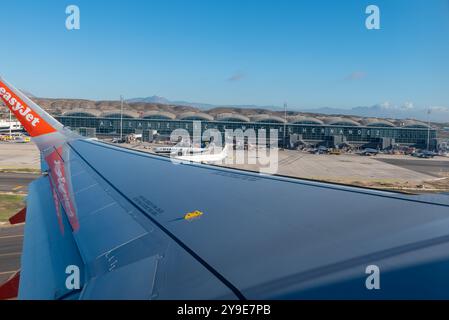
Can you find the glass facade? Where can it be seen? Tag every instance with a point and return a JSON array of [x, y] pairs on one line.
[[414, 136]]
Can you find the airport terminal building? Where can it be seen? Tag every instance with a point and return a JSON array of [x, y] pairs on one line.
[[329, 131]]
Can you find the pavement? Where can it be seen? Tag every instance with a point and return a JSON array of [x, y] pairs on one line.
[[16, 182], [19, 156], [348, 167], [11, 239], [431, 167], [14, 157]]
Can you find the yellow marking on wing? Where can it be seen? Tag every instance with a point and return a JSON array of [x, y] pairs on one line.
[[193, 215]]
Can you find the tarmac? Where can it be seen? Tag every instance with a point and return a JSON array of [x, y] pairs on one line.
[[11, 239], [16, 182], [17, 156], [432, 167]]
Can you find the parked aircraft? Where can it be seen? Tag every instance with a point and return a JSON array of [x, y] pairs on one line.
[[207, 156], [369, 152], [425, 154]]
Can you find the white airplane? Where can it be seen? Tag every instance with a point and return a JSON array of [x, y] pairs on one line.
[[207, 157], [178, 150], [7, 126]]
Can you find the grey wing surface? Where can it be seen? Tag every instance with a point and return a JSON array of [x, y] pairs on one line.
[[120, 216]]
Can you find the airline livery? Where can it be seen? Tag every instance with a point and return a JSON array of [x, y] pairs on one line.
[[29, 118]]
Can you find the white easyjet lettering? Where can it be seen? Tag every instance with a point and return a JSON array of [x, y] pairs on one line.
[[35, 122], [17, 106], [62, 188], [24, 112]]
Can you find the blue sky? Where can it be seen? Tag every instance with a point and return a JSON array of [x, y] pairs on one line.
[[312, 54]]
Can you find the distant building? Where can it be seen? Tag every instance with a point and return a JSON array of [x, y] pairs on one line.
[[329, 131]]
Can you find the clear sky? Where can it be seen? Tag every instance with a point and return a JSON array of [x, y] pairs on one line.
[[311, 54]]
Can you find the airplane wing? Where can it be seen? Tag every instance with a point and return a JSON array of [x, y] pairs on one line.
[[136, 226]]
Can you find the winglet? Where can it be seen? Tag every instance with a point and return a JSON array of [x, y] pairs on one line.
[[36, 121], [30, 115]]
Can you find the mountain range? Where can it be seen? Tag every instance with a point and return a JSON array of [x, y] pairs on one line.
[[382, 110], [199, 105], [437, 114]]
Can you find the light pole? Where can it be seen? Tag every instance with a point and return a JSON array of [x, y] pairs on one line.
[[121, 118], [285, 123], [428, 129], [10, 123]]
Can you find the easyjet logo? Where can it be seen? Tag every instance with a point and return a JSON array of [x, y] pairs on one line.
[[17, 106], [31, 121], [62, 187]]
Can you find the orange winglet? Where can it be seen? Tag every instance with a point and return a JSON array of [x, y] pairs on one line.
[[33, 123], [10, 289], [19, 217]]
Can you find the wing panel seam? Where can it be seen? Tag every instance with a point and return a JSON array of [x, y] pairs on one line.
[[218, 275]]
